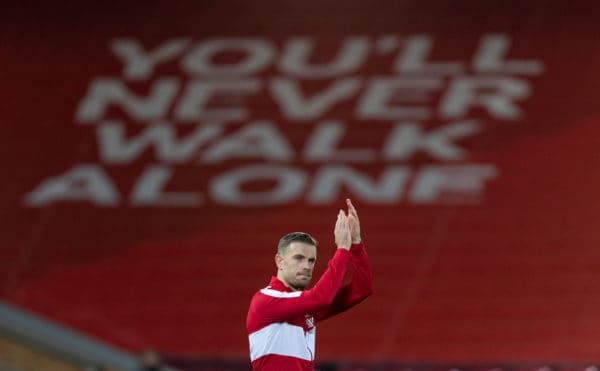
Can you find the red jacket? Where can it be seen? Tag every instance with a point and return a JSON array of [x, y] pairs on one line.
[[281, 323]]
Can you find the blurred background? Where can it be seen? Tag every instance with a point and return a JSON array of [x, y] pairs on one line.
[[154, 153]]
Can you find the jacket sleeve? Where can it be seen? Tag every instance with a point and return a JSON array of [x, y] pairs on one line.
[[269, 306], [359, 288]]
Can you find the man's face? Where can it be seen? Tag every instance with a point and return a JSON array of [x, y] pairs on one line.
[[295, 266]]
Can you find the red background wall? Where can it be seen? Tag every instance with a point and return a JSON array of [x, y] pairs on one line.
[[513, 276]]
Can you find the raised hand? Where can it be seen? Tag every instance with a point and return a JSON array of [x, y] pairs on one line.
[[343, 237], [353, 222]]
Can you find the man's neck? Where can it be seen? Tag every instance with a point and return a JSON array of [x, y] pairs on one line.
[[286, 284]]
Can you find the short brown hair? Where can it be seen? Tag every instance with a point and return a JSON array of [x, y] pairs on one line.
[[286, 240]]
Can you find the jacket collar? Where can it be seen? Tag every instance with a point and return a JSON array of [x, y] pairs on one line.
[[276, 284]]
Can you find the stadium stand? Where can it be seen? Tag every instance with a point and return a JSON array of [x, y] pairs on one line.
[[30, 343]]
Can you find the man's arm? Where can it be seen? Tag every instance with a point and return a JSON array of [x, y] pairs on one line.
[[361, 284], [359, 288], [273, 306]]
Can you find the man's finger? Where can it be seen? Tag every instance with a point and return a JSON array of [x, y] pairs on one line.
[[343, 219], [340, 219], [351, 207]]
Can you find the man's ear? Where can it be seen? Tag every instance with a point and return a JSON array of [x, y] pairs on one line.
[[278, 260]]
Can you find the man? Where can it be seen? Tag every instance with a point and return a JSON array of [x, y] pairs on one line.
[[282, 317]]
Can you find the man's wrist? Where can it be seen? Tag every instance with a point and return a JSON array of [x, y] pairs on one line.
[[356, 241]]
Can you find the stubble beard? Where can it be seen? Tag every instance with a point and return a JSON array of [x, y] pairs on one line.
[[299, 286]]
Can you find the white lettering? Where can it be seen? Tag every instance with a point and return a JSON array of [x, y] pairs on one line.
[[329, 182], [490, 58], [198, 94], [257, 54], [228, 187], [295, 106], [294, 60], [324, 141], [413, 59], [406, 139], [454, 184], [376, 102], [116, 148], [495, 94], [139, 64], [106, 92], [257, 139], [149, 190], [82, 183]]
